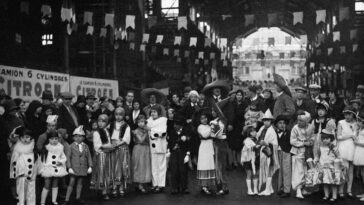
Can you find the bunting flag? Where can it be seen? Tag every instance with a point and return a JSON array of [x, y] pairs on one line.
[[90, 30], [271, 41], [154, 49], [249, 20], [343, 13], [212, 55], [272, 19], [320, 38], [355, 47], [193, 41], [18, 38], [87, 17], [206, 62], [320, 16], [297, 17], [197, 61], [103, 32], [225, 63], [329, 51], [46, 10], [179, 59], [288, 40], [176, 53], [109, 20], [142, 47], [187, 54], [336, 36], [353, 34], [177, 40], [132, 46], [123, 35], [165, 51], [118, 35], [159, 39], [182, 22], [130, 21], [145, 38], [24, 7], [152, 21], [303, 39], [223, 43], [69, 29], [223, 56], [342, 49], [207, 42], [131, 36], [200, 54], [66, 14]]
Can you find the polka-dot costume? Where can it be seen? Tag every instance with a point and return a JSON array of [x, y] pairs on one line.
[[55, 164]]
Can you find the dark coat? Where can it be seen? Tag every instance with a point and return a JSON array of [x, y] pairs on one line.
[[306, 105], [65, 121], [284, 141], [79, 161], [336, 110], [284, 105], [133, 124], [259, 103], [36, 124], [175, 142], [99, 112]]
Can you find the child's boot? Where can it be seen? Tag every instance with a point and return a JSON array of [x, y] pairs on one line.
[[249, 186]]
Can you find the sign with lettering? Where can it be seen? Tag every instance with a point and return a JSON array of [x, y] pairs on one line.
[[96, 86], [29, 84]]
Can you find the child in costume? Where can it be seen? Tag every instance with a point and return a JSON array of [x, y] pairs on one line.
[[79, 163], [359, 149], [23, 167], [53, 166], [120, 157], [250, 159]]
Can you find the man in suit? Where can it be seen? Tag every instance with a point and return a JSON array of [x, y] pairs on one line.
[[284, 104], [128, 105], [302, 103], [254, 98], [153, 102], [284, 156], [179, 147], [315, 98], [68, 118]]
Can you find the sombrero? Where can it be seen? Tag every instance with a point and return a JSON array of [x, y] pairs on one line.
[[222, 84], [145, 93], [280, 82]]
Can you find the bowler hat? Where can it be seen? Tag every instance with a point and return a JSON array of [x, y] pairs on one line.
[[9, 105], [47, 95]]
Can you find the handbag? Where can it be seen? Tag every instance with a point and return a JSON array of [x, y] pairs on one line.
[[268, 150]]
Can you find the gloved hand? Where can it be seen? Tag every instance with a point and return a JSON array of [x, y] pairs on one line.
[[70, 170], [168, 154], [186, 159], [89, 170], [183, 138]]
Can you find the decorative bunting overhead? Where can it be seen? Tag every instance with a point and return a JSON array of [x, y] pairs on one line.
[[320, 16], [336, 36], [179, 59], [272, 19], [329, 51], [353, 34], [223, 43], [130, 21], [355, 47], [159, 39], [197, 61], [176, 53], [271, 41], [224, 17], [109, 20], [145, 38], [18, 38], [142, 47], [132, 46], [187, 54], [87, 17], [223, 56], [342, 49], [207, 42], [343, 13], [212, 55], [297, 17], [200, 55], [46, 10], [225, 63], [165, 51], [182, 22], [66, 14], [303, 39], [24, 7], [193, 41], [152, 21], [103, 32], [177, 40], [249, 20], [90, 30]]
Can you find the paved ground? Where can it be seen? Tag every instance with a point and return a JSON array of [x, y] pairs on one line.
[[237, 196]]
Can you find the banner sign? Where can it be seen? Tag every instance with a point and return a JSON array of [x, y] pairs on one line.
[[95, 86], [29, 84]]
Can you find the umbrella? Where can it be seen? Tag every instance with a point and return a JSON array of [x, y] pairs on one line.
[[279, 80], [145, 93], [222, 84]]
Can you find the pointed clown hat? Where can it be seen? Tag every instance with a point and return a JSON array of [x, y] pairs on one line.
[[268, 115], [79, 131]]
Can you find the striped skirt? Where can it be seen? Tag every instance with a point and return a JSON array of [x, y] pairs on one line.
[[120, 159], [102, 175]]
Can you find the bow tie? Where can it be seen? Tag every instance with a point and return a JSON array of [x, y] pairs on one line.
[[280, 131]]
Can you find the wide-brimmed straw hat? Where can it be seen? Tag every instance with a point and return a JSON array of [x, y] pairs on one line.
[[147, 92], [222, 84]]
